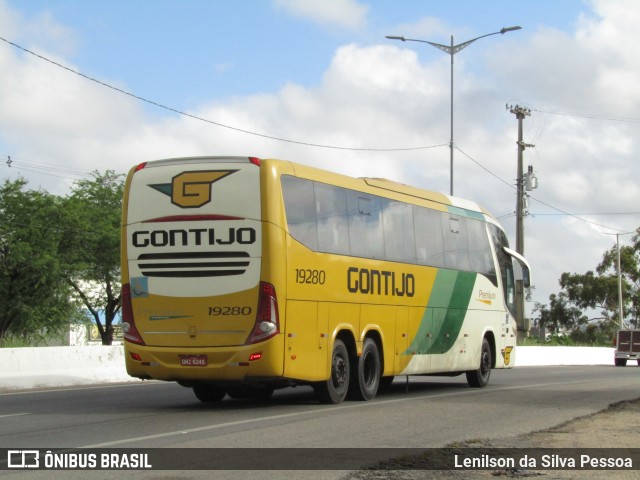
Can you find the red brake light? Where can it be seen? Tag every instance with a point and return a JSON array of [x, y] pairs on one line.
[[130, 332], [267, 322], [256, 161]]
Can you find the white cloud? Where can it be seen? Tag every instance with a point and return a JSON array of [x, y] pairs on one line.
[[41, 30], [344, 13], [382, 96]]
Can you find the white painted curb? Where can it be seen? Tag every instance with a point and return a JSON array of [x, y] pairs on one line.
[[61, 366], [541, 356], [67, 366]]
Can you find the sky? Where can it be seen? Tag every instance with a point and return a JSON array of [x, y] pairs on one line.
[[106, 84]]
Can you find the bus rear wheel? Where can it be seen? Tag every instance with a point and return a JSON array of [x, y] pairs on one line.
[[209, 393], [334, 390], [480, 378], [365, 372]]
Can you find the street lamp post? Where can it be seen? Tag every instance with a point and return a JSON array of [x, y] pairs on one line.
[[620, 306], [452, 50], [619, 272]]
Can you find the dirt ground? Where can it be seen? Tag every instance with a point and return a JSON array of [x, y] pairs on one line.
[[616, 427]]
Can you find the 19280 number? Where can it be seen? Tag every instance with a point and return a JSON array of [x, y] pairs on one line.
[[309, 276], [229, 311]]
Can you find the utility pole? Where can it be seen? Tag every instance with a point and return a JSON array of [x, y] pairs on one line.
[[520, 113]]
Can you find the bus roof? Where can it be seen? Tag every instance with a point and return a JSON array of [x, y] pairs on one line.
[[392, 189], [453, 204]]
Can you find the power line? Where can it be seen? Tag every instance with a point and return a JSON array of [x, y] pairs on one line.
[[573, 215], [484, 168], [60, 171], [588, 115], [248, 132], [218, 124], [561, 212], [591, 214]]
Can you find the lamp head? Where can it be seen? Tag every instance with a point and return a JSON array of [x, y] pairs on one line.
[[509, 29]]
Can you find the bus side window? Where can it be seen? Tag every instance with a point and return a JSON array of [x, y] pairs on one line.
[[365, 225], [399, 237], [510, 288], [456, 243], [331, 212], [300, 209], [506, 267], [429, 241], [480, 258]]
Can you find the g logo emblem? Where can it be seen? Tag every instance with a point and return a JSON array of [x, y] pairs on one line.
[[192, 189]]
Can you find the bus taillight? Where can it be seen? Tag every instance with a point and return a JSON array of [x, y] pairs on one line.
[[129, 330], [267, 323], [140, 166]]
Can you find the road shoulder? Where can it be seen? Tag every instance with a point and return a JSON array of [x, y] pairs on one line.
[[615, 427]]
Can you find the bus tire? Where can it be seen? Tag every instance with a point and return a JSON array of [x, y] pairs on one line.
[[621, 362], [480, 378], [335, 388], [365, 372], [209, 393]]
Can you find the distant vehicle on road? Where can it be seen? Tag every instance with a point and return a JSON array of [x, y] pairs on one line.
[[627, 343]]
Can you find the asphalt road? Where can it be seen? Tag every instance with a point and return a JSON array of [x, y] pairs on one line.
[[429, 412]]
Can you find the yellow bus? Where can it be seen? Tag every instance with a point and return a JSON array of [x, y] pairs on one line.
[[243, 275]]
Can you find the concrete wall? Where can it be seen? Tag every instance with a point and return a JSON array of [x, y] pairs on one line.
[[67, 366], [61, 366], [539, 356]]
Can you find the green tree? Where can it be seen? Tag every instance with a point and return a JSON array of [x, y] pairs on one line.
[[597, 291], [91, 250], [629, 263], [33, 300], [561, 315], [591, 291]]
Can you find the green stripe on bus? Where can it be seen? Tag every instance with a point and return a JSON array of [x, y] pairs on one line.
[[445, 312]]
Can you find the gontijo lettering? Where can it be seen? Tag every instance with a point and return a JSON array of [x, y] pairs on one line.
[[193, 236], [380, 282]]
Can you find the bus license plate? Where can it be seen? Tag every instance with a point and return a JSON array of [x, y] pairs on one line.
[[193, 360]]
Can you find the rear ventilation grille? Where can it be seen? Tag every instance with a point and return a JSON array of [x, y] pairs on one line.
[[193, 264]]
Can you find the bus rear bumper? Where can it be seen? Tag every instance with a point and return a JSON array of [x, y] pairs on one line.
[[212, 364]]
